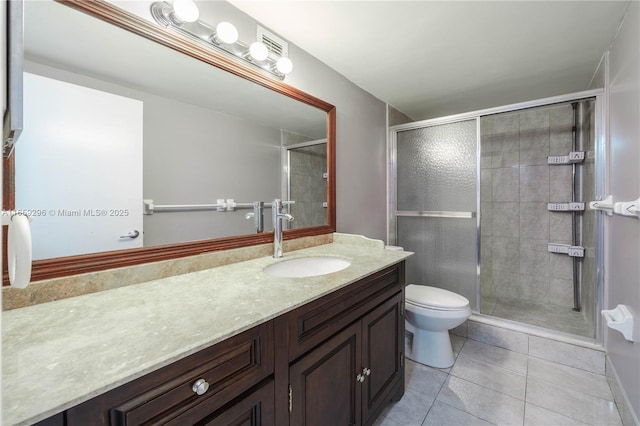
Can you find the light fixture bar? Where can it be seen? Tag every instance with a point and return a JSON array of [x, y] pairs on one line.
[[202, 32]]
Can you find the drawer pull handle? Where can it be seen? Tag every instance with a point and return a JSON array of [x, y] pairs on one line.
[[200, 386]]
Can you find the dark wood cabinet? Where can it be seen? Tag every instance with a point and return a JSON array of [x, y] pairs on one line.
[[350, 377], [335, 361], [168, 396], [323, 389]]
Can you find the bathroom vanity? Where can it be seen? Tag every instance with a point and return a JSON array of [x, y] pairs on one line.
[[229, 345]]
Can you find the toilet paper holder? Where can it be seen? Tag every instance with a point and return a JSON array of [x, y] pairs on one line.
[[622, 320]]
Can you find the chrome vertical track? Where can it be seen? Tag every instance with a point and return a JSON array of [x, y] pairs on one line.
[[575, 218]]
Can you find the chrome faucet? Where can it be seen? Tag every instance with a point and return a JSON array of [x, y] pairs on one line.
[[276, 209], [257, 216]]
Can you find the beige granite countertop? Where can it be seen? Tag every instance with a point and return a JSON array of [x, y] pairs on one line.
[[56, 355]]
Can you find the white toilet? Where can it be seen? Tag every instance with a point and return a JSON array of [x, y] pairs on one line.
[[430, 313]]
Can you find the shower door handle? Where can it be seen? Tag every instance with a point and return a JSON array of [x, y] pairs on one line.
[[437, 213]]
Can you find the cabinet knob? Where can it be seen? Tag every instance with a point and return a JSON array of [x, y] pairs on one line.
[[200, 386], [360, 378], [366, 371]]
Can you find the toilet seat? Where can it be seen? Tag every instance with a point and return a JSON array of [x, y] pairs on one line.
[[435, 298]]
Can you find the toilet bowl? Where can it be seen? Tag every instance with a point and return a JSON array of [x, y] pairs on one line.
[[430, 313]]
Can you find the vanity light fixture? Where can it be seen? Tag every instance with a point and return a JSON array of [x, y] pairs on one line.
[[257, 51], [183, 16], [185, 11]]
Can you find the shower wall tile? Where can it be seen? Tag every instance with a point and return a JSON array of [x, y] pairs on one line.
[[506, 150], [505, 185], [505, 220], [534, 220], [487, 287], [534, 183], [560, 266], [505, 123], [486, 125], [534, 287], [560, 188], [486, 151], [561, 117], [486, 186], [507, 285], [534, 257], [534, 119], [534, 147], [505, 254], [486, 215], [561, 292], [560, 141], [560, 227]]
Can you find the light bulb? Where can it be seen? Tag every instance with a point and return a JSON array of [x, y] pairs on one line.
[[284, 65], [258, 51], [226, 32], [185, 10]]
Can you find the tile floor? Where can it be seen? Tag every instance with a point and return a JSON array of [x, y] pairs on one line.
[[489, 385]]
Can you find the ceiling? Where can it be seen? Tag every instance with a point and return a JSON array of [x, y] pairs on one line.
[[435, 58]]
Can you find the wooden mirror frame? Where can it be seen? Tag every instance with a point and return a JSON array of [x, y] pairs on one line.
[[73, 265]]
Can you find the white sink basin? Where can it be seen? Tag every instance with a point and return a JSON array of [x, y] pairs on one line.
[[307, 267]]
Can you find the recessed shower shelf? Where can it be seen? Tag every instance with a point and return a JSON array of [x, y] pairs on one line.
[[572, 251], [572, 158], [565, 207]]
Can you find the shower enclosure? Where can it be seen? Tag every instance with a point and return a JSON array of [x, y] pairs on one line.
[[305, 181], [493, 203]]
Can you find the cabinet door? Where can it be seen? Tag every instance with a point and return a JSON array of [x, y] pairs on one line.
[[255, 409], [324, 389], [382, 356]]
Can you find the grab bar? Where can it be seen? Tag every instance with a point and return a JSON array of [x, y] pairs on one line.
[[221, 206]]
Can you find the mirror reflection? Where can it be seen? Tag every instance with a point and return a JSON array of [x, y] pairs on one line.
[[112, 119]]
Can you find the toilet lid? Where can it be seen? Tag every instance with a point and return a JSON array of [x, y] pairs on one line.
[[433, 297]]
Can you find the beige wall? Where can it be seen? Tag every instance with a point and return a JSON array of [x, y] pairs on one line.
[[623, 268]]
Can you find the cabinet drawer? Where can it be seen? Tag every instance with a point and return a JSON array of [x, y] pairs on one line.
[[312, 324], [229, 367]]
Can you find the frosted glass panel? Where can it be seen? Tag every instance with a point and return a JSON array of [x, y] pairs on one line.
[[445, 253], [436, 168]]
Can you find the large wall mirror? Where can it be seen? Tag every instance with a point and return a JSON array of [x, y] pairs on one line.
[[132, 133]]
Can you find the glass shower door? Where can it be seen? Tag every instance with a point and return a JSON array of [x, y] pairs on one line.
[[436, 204]]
